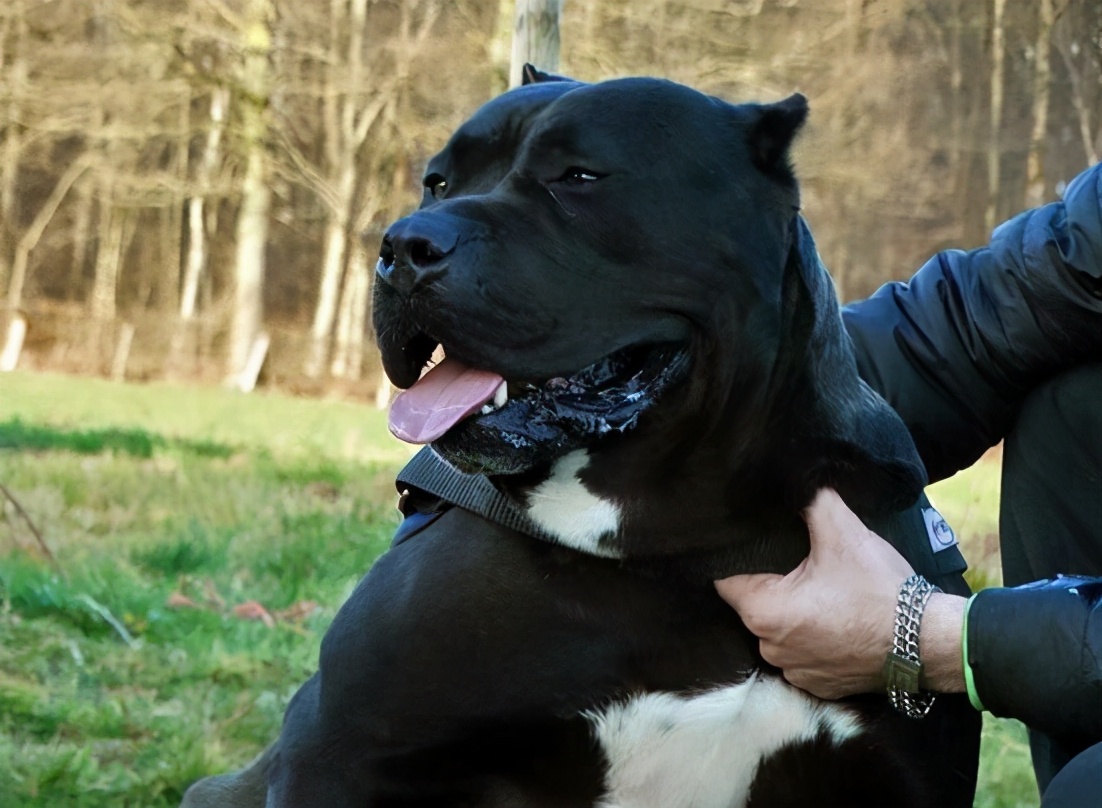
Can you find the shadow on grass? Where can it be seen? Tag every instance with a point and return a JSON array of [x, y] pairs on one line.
[[19, 436]]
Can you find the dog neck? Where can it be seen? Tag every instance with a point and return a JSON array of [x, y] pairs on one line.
[[688, 501], [723, 494]]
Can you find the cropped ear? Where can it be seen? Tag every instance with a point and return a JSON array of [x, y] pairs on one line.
[[859, 445], [772, 133], [530, 74]]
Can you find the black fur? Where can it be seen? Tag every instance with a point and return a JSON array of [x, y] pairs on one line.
[[458, 672]]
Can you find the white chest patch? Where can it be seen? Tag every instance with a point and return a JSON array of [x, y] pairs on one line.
[[672, 751], [570, 512]]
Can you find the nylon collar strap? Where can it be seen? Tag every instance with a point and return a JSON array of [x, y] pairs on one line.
[[472, 492]]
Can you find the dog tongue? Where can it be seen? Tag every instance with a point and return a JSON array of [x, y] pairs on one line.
[[442, 398]]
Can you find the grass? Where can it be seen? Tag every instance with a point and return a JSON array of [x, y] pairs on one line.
[[204, 541]]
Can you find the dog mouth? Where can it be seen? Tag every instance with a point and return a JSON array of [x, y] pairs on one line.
[[484, 423]]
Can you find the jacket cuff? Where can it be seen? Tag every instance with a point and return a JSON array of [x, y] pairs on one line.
[[969, 675], [1033, 655]]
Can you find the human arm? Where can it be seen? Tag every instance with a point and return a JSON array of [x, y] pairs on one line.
[[957, 348], [828, 624], [1035, 652]]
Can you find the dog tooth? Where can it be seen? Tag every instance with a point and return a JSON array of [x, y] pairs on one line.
[[502, 395], [486, 409]]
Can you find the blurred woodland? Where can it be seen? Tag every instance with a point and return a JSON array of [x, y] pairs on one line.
[[179, 177]]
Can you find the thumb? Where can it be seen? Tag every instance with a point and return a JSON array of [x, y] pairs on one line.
[[831, 525], [740, 591]]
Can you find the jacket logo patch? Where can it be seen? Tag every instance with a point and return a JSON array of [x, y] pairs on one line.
[[940, 534]]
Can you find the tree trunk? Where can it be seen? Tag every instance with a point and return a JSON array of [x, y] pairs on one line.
[[82, 229], [361, 268], [336, 239], [535, 37], [108, 261], [994, 156], [197, 241], [15, 80], [348, 351], [956, 88], [349, 115], [349, 348], [172, 216], [252, 238], [252, 219], [1079, 100], [1035, 161], [33, 233]]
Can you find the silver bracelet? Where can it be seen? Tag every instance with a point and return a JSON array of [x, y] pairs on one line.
[[903, 667]]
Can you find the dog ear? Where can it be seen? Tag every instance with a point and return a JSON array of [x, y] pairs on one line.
[[860, 445], [772, 133], [530, 74]]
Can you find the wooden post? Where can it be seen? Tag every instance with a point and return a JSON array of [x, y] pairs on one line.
[[535, 37]]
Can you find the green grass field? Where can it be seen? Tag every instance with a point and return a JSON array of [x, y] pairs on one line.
[[203, 542]]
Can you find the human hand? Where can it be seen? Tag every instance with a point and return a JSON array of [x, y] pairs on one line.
[[828, 624]]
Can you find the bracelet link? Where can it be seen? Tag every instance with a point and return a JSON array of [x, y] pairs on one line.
[[903, 667]]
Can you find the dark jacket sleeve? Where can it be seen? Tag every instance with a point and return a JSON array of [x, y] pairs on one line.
[[1014, 638], [957, 348], [956, 351]]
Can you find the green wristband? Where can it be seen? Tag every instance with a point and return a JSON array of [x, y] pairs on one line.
[[969, 678]]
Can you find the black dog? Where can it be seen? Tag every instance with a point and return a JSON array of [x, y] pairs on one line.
[[646, 356]]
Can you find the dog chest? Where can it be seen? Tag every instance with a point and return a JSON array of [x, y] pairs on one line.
[[666, 750], [567, 510]]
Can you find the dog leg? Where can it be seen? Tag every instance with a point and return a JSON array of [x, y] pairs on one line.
[[247, 788]]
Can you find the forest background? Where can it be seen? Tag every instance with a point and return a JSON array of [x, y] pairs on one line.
[[188, 185], [184, 181]]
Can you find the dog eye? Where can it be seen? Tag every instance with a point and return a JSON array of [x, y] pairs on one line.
[[575, 175], [436, 185]]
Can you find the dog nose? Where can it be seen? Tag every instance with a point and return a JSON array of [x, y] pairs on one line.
[[414, 253]]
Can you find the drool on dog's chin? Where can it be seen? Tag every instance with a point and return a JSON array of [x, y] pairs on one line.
[[482, 423]]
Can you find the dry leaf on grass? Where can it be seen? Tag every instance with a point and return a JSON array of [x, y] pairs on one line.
[[252, 610], [297, 612], [178, 600]]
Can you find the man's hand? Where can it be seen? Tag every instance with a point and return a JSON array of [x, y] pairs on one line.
[[827, 624]]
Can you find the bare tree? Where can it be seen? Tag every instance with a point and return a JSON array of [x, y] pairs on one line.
[[994, 150], [252, 218], [350, 111], [13, 62], [82, 229], [197, 220], [132, 131], [31, 236], [353, 104], [114, 235], [1042, 72], [1073, 54]]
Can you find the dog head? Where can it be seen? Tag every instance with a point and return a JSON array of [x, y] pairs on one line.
[[621, 268]]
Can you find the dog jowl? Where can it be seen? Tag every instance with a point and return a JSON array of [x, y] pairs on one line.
[[645, 357]]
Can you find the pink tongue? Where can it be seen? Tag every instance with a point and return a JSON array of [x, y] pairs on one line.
[[442, 398]]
